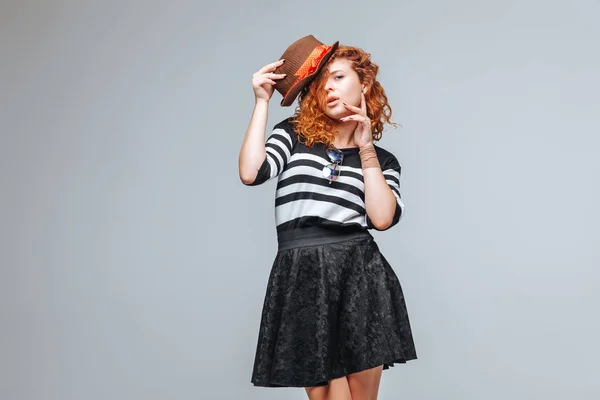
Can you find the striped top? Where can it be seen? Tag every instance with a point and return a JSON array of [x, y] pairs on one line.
[[304, 197]]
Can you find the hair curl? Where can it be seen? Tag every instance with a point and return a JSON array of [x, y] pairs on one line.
[[312, 124]]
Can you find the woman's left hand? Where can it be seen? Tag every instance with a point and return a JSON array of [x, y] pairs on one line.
[[362, 135]]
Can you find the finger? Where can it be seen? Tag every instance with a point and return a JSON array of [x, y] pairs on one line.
[[363, 103], [356, 117], [275, 76], [261, 81], [270, 67], [352, 108]]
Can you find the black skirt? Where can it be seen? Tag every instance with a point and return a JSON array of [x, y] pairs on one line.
[[333, 306]]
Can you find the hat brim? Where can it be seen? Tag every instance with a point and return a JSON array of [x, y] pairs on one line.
[[294, 91]]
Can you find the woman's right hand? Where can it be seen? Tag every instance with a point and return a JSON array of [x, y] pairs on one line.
[[263, 81]]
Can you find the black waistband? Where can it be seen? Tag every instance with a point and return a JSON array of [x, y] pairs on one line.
[[316, 235]]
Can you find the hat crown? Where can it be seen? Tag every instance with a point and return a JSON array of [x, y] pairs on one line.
[[303, 60], [303, 46]]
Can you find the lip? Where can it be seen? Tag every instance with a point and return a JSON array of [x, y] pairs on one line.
[[333, 103]]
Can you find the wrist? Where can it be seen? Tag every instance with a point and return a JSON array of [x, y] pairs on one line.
[[368, 157]]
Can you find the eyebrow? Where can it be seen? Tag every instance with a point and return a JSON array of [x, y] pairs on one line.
[[337, 70]]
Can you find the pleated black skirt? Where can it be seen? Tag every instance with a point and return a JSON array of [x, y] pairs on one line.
[[333, 306]]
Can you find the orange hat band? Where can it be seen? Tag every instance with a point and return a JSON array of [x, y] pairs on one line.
[[310, 64]]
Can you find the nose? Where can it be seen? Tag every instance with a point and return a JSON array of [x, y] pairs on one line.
[[328, 85]]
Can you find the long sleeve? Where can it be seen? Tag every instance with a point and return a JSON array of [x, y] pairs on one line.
[[279, 147], [391, 172]]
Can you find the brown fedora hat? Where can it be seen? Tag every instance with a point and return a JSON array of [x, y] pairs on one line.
[[303, 60]]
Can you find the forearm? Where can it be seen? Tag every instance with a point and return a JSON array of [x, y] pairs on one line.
[[252, 152], [380, 202]]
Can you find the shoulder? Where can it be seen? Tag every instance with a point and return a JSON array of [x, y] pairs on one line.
[[387, 159], [287, 127]]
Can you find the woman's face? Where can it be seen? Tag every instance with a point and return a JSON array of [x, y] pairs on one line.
[[342, 84]]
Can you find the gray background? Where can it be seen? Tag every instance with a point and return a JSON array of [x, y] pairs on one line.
[[134, 262]]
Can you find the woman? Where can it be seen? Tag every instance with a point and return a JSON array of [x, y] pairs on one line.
[[334, 314]]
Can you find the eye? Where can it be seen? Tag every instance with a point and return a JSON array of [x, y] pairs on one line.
[[338, 76]]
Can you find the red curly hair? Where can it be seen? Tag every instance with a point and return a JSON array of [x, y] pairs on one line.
[[314, 126]]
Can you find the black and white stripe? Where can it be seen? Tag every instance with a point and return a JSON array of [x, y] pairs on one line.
[[304, 197], [279, 148]]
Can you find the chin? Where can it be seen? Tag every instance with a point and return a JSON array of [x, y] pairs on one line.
[[337, 114]]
